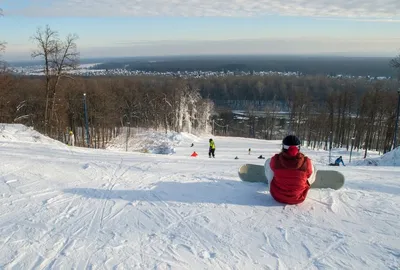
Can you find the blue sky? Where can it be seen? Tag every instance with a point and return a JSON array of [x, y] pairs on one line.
[[161, 27]]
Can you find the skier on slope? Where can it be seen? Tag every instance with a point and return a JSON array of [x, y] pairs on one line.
[[211, 151], [290, 173]]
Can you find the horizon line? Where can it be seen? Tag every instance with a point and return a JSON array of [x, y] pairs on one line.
[[338, 55]]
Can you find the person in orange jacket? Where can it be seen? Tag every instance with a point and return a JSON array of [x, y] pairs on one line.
[[290, 173]]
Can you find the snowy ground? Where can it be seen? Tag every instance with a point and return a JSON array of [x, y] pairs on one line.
[[75, 208]]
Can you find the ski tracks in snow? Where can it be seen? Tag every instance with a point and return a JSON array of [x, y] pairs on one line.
[[97, 222], [161, 213]]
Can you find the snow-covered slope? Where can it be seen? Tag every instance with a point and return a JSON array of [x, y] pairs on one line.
[[76, 208]]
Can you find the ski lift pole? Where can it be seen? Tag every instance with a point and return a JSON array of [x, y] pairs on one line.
[[397, 121], [330, 146], [351, 149], [86, 119], [127, 134]]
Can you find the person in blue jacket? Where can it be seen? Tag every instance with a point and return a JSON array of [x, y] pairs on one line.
[[338, 161]]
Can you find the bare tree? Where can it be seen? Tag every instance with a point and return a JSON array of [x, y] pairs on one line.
[[2, 49], [395, 63], [59, 57]]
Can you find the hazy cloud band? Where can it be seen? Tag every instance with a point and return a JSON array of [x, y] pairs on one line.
[[382, 9]]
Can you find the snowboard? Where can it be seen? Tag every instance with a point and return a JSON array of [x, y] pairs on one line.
[[324, 178]]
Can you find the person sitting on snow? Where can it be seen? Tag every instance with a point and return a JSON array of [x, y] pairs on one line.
[[290, 173], [338, 161]]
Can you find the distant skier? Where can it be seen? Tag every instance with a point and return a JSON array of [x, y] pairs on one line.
[[211, 151], [249, 151], [337, 162], [290, 173], [71, 139]]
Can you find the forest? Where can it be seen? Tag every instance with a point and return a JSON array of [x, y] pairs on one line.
[[318, 109]]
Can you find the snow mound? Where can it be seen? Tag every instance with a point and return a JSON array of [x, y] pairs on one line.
[[391, 158], [24, 134], [151, 141]]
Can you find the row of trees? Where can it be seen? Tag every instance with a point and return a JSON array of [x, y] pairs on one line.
[[343, 119], [364, 121], [166, 105]]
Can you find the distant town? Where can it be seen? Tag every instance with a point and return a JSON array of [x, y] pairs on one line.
[[91, 70]]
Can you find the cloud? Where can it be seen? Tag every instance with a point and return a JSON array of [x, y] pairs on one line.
[[354, 9]]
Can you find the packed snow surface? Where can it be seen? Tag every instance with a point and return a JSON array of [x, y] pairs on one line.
[[76, 208]]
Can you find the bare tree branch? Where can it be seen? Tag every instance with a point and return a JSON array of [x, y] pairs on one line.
[[46, 40]]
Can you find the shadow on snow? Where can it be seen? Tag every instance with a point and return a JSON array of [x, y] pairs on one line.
[[215, 192]]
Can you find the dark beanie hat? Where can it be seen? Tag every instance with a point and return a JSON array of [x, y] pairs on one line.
[[291, 145], [291, 140]]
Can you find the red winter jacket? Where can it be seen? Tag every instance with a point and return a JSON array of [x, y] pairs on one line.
[[289, 184]]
